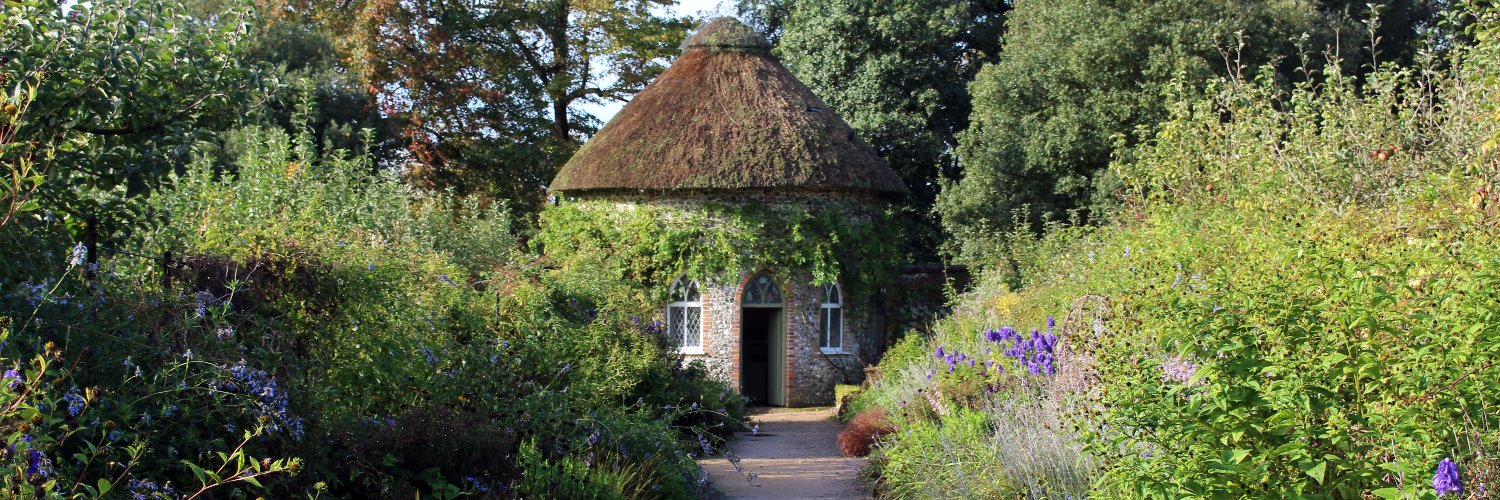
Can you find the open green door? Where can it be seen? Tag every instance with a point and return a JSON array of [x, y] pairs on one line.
[[763, 346], [778, 359]]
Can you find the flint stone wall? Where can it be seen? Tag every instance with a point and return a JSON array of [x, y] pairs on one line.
[[810, 373]]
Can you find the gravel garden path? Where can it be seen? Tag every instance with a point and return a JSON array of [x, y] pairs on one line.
[[794, 455]]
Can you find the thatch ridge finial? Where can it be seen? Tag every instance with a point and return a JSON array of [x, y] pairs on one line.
[[726, 34]]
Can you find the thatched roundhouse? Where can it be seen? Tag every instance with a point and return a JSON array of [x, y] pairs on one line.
[[728, 124]]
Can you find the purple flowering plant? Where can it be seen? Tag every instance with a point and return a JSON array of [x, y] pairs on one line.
[[1446, 480], [1036, 353]]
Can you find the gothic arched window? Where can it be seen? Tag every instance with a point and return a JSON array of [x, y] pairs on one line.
[[685, 317], [831, 320], [761, 290]]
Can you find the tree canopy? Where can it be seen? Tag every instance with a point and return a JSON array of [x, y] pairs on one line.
[[485, 97], [1076, 77], [897, 71], [487, 94]]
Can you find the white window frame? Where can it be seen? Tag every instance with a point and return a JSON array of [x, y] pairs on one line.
[[685, 302], [831, 342]]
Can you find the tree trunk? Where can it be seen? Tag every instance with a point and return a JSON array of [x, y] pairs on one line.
[[560, 119], [561, 79]]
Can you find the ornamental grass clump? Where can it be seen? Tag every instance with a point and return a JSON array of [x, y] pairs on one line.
[[1035, 448], [867, 428]]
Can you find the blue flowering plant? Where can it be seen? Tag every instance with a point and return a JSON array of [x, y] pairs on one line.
[[971, 371], [65, 436]]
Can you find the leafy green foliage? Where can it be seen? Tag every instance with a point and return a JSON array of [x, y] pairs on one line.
[[1073, 78], [1297, 299], [1365, 368], [123, 92], [1370, 358], [718, 240], [898, 72], [299, 49], [23, 174], [765, 16], [91, 403], [386, 337], [1404, 31]]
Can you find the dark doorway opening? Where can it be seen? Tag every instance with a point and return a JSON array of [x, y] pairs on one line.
[[756, 329]]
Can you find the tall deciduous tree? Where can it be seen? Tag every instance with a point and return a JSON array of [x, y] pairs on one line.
[[898, 71], [1076, 76], [488, 92]]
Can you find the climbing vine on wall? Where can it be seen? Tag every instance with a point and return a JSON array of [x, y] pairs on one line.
[[652, 245]]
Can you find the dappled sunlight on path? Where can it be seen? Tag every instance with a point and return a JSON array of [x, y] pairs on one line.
[[795, 455]]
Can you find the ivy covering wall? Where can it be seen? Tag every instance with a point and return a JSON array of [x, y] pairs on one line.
[[651, 244]]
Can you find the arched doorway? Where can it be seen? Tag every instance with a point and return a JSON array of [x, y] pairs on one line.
[[763, 341]]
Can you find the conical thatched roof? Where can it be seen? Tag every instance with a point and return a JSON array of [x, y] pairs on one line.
[[726, 115]]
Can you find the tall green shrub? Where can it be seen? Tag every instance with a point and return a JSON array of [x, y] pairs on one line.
[[1298, 298]]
